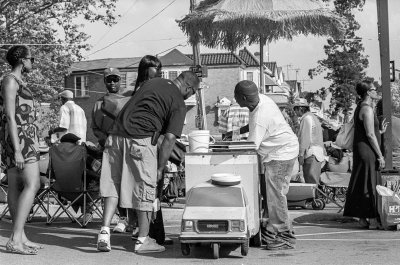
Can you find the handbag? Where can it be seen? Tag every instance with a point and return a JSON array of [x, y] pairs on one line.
[[345, 137], [113, 104]]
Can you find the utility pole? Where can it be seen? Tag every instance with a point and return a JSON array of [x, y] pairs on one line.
[[287, 70], [383, 32], [201, 118]]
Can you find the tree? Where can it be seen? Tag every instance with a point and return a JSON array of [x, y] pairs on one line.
[[345, 63], [395, 87], [59, 40]]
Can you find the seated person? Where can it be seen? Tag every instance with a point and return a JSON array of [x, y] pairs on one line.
[[92, 172]]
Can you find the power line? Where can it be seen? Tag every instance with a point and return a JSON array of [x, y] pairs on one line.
[[180, 44], [105, 34], [134, 30]]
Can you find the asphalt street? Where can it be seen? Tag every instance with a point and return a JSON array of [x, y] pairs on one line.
[[324, 237]]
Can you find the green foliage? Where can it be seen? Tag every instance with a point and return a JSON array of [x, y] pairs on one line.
[[50, 22], [345, 63], [395, 87]]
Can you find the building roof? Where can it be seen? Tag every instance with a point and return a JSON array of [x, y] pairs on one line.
[[218, 59], [269, 81], [175, 58], [271, 66], [249, 58], [105, 63]]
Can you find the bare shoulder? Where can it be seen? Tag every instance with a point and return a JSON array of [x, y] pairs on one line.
[[366, 112], [9, 85]]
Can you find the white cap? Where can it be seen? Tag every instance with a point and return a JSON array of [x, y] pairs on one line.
[[66, 94]]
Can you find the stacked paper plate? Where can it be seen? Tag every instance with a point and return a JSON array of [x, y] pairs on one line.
[[225, 179]]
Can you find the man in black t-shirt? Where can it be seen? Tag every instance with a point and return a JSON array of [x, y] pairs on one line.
[[131, 164]]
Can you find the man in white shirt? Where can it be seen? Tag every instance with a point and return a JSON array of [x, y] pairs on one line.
[[72, 117], [278, 148]]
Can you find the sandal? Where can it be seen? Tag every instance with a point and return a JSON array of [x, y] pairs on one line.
[[10, 247], [30, 244]]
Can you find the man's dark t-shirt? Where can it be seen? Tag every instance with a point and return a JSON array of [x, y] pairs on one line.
[[157, 106]]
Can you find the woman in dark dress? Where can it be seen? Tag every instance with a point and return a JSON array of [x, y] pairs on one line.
[[361, 199], [19, 146]]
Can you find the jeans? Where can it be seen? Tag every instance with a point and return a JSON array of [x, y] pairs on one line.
[[278, 226]]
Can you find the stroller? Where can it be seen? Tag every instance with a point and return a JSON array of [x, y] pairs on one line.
[[333, 188]]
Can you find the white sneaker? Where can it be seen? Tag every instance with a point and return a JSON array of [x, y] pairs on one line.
[[103, 240], [121, 226], [148, 246]]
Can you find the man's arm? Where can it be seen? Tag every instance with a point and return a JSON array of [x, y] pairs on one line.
[[64, 117], [97, 115], [305, 134], [164, 153]]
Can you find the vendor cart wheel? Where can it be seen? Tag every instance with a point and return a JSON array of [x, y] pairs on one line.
[[215, 247], [256, 240], [318, 204], [244, 248], [185, 249]]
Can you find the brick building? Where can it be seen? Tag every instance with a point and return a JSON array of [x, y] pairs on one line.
[[225, 70]]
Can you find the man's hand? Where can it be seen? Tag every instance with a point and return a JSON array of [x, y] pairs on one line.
[[160, 175], [301, 160]]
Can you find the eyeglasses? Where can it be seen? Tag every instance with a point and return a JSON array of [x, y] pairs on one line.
[[114, 79], [30, 58]]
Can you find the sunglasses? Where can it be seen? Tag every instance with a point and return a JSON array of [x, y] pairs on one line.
[[114, 79], [30, 58]]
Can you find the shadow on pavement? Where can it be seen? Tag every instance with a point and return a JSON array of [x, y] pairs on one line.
[[68, 235]]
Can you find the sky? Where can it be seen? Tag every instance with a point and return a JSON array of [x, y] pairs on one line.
[[163, 33]]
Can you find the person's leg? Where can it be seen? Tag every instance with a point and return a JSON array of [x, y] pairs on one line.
[[110, 205], [122, 224], [110, 182], [21, 203], [311, 170], [277, 183], [142, 162]]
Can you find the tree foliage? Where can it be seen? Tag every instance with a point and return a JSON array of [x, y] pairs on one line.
[[345, 63], [395, 88], [44, 22]]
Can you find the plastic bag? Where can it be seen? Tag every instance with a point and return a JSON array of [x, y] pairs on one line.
[[388, 207], [345, 137]]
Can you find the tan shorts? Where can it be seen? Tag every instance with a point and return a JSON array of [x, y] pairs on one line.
[[129, 172]]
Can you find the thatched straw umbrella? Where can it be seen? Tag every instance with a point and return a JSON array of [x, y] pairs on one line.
[[232, 23]]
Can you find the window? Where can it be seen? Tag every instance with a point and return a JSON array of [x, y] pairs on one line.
[[122, 82], [164, 74], [81, 86], [172, 75], [249, 76]]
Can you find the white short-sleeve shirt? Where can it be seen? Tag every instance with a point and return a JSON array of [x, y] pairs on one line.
[[268, 129]]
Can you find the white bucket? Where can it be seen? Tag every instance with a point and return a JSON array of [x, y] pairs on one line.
[[199, 141]]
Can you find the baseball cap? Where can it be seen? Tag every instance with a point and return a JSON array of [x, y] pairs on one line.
[[112, 71], [66, 94]]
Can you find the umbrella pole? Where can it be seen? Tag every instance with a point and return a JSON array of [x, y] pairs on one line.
[[262, 78]]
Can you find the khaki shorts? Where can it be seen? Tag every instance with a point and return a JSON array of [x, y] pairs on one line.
[[129, 172]]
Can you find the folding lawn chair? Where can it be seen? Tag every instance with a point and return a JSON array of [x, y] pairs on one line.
[[333, 188], [38, 203], [68, 168]]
